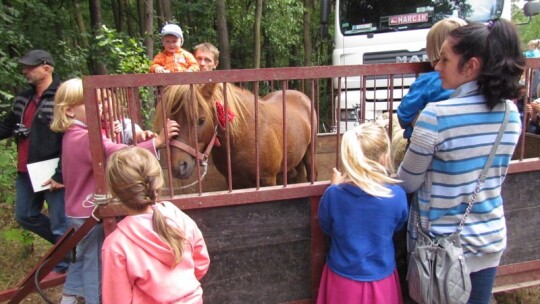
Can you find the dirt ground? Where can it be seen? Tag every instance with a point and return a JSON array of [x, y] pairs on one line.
[[17, 259]]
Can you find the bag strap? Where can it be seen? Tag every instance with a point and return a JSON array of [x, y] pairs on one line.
[[483, 174]]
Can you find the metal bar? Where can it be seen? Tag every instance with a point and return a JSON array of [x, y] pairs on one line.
[[284, 132], [251, 75], [257, 139], [227, 138], [318, 248]]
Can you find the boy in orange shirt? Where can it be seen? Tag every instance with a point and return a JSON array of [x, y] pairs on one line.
[[173, 58]]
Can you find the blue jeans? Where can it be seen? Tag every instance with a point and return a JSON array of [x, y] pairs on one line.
[[28, 207], [84, 276], [482, 285]]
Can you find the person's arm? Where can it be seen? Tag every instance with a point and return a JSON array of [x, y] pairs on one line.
[[324, 211], [158, 64], [535, 106], [419, 155], [201, 259], [115, 285], [403, 208], [412, 103]]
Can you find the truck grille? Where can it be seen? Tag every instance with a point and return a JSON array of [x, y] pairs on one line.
[[400, 56]]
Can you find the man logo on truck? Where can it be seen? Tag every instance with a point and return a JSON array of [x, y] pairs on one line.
[[413, 58]]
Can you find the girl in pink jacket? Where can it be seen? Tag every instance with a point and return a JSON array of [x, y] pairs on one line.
[[157, 254], [84, 275]]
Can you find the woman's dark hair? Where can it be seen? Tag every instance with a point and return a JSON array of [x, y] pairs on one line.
[[497, 45]]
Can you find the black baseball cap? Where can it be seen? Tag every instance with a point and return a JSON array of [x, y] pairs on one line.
[[37, 57]]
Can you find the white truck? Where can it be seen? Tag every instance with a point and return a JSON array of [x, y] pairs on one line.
[[389, 31]]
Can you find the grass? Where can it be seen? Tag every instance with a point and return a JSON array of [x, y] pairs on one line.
[[521, 296], [19, 257]]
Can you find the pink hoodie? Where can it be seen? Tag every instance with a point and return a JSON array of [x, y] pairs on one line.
[[138, 265]]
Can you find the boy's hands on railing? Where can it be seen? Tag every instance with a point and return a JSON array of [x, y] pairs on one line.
[[172, 127], [161, 69]]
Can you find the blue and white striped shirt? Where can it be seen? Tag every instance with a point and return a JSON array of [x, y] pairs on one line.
[[449, 147]]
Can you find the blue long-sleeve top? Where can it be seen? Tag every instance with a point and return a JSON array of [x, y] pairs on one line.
[[426, 88], [361, 227]]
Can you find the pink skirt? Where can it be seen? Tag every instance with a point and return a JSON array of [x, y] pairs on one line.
[[335, 289]]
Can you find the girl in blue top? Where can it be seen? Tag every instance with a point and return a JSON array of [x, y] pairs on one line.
[[360, 212]]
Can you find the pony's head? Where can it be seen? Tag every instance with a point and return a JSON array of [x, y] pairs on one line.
[[194, 108]]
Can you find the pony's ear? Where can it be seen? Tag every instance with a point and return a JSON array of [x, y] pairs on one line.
[[207, 90]]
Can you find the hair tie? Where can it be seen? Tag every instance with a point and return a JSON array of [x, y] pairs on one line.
[[154, 206], [490, 24]]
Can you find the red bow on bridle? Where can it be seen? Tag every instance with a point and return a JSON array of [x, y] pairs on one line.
[[220, 109]]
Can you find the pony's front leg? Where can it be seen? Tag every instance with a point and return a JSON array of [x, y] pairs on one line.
[[268, 181]]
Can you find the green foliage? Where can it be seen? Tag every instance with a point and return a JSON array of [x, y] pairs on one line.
[[123, 54], [8, 165], [527, 31], [10, 77], [23, 237]]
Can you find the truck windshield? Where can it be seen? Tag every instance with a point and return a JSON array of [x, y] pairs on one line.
[[378, 16]]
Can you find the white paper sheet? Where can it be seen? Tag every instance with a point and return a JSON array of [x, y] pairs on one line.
[[40, 172]]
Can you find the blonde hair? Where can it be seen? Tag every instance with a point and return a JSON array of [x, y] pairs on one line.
[[68, 95], [134, 177], [438, 33], [362, 151], [207, 47]]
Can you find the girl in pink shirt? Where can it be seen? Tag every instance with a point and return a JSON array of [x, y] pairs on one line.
[[157, 254], [84, 276]]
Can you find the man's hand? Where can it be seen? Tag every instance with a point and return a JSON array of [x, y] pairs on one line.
[[54, 185]]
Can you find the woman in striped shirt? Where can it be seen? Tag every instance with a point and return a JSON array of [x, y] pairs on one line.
[[453, 138]]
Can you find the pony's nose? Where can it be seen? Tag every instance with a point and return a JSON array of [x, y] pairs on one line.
[[183, 170]]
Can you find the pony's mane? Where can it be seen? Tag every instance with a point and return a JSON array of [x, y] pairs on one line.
[[176, 99]]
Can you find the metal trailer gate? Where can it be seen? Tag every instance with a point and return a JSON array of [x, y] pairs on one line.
[[265, 243]]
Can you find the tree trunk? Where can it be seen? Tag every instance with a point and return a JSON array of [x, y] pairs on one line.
[[164, 11], [149, 28], [79, 20], [129, 20], [257, 35], [308, 48], [96, 22], [117, 13], [223, 36], [141, 12]]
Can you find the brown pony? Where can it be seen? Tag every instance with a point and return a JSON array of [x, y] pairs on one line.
[[181, 102]]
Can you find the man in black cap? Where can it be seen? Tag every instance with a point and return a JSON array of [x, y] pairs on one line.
[[28, 121]]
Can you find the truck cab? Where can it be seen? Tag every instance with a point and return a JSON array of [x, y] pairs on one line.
[[389, 31]]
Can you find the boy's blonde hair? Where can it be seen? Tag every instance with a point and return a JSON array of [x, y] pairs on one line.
[[438, 33], [68, 95], [135, 177], [365, 155]]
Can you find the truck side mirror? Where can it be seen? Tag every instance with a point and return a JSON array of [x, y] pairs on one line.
[[531, 8]]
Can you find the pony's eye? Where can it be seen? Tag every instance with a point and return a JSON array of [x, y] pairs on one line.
[[201, 121]]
